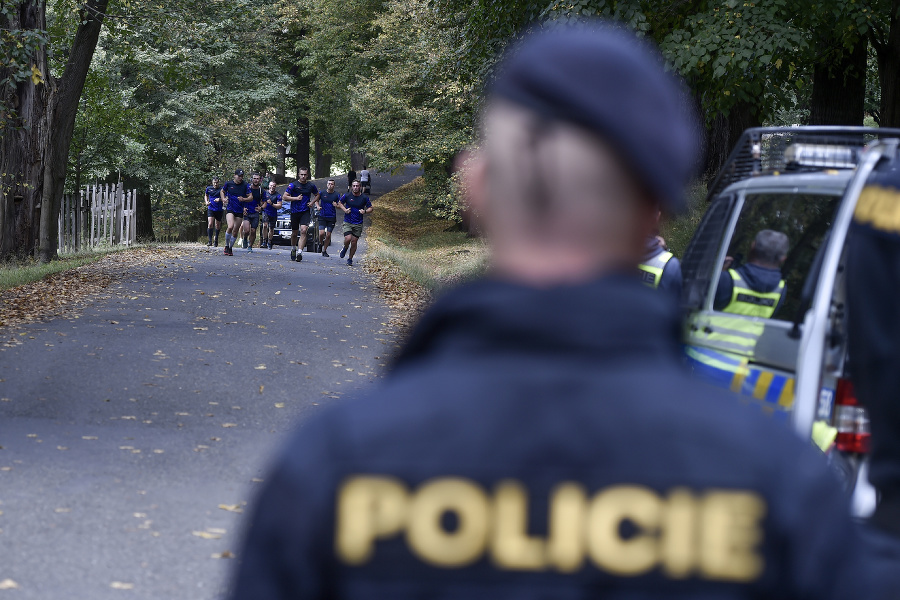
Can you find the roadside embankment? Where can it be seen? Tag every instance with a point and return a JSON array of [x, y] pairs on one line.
[[413, 254]]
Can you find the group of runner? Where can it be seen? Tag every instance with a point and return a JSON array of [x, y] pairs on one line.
[[247, 206]]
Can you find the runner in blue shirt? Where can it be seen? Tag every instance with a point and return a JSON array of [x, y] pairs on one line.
[[271, 204], [327, 216], [214, 212], [355, 205], [299, 194], [236, 194], [251, 212]]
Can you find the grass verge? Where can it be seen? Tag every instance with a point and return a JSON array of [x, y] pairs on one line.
[[412, 255], [405, 233], [30, 271]]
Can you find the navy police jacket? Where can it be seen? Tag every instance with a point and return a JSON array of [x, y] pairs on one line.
[[873, 297], [548, 443]]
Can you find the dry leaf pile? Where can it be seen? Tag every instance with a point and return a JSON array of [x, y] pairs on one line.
[[406, 298], [63, 294]]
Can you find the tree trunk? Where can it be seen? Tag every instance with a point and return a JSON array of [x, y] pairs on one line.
[[323, 159], [21, 179], [357, 159], [61, 109], [279, 155], [839, 87], [302, 150], [144, 218], [888, 51], [723, 133]]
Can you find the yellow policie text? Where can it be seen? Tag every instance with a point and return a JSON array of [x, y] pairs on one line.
[[714, 534]]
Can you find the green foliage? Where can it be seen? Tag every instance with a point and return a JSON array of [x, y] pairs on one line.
[[181, 96]]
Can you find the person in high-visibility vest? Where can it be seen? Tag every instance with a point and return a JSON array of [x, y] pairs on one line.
[[755, 289], [659, 268]]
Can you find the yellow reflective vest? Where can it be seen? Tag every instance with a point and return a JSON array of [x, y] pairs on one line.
[[745, 301], [652, 270]]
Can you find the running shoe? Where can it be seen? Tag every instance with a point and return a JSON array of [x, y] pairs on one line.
[[250, 249], [325, 253], [208, 244], [244, 242], [349, 262], [299, 256], [293, 254], [343, 252]]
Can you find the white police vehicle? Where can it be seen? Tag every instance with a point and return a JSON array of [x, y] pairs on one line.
[[804, 182]]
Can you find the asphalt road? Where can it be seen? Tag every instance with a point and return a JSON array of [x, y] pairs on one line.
[[133, 435]]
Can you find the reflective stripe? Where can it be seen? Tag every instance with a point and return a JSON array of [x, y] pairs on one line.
[[745, 301], [735, 334], [653, 268], [772, 391]]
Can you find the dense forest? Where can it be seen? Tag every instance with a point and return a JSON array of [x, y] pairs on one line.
[[162, 95]]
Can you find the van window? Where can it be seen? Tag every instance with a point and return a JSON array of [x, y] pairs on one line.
[[804, 218]]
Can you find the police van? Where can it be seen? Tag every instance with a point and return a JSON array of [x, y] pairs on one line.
[[803, 182]]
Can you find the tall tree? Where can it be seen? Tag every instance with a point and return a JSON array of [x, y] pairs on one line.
[[62, 106], [23, 124]]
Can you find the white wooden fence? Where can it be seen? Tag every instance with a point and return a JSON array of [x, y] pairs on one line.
[[99, 215]]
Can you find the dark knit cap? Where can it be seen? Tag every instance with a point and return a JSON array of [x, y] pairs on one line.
[[608, 81]]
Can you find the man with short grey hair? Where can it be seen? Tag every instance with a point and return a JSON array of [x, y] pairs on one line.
[[756, 288]]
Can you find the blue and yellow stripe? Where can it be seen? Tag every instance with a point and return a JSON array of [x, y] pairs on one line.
[[771, 390]]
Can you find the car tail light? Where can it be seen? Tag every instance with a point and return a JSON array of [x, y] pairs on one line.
[[851, 420]]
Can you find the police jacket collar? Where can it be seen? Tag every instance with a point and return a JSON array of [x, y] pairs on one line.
[[614, 316]]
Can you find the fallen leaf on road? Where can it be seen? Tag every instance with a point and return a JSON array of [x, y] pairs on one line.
[[8, 584], [261, 388], [119, 585], [235, 508], [89, 437], [260, 368], [225, 554], [206, 535], [158, 451], [229, 424], [279, 405], [61, 448]]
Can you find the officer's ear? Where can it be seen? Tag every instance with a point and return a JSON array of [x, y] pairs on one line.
[[472, 169]]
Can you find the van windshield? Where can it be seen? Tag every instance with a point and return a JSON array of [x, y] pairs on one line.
[[771, 252]]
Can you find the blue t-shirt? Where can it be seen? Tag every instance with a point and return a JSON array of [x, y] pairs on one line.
[[257, 199], [233, 191], [270, 209], [214, 197], [327, 201], [305, 191], [355, 204]]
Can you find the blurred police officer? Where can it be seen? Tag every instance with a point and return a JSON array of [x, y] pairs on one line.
[[873, 289], [659, 267], [538, 436]]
